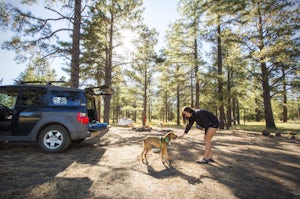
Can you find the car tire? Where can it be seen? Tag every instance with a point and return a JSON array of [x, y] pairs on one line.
[[54, 139]]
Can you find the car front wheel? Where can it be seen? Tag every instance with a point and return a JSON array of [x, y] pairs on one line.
[[54, 139]]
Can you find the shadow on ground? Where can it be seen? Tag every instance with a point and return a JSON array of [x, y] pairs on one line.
[[26, 172], [260, 168]]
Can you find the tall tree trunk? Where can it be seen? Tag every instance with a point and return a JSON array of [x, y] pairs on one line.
[[149, 109], [238, 118], [178, 103], [229, 114], [106, 100], [220, 80], [267, 98], [108, 67], [144, 115], [197, 79], [166, 108], [99, 78], [178, 111], [265, 79], [75, 45], [284, 112], [192, 91], [234, 105]]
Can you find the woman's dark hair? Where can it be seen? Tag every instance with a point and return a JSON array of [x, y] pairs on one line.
[[186, 109]]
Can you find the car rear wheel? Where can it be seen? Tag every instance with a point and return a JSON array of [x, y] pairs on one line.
[[54, 139]]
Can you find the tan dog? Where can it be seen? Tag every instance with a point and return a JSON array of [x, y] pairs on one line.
[[159, 142]]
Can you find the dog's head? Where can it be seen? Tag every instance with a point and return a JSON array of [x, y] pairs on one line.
[[171, 136]]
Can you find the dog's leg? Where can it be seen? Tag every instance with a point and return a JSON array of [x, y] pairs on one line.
[[168, 160], [165, 157], [143, 156], [143, 152], [146, 149], [162, 157]]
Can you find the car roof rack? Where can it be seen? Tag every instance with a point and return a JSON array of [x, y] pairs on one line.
[[40, 82]]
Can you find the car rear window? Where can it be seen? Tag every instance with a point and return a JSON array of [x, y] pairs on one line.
[[63, 98]]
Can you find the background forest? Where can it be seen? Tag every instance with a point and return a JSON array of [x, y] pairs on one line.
[[238, 59]]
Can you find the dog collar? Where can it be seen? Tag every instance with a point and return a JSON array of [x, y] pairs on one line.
[[166, 140]]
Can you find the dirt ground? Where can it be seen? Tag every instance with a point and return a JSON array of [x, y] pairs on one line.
[[248, 165]]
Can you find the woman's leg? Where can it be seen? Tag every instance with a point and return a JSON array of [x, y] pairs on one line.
[[207, 138]]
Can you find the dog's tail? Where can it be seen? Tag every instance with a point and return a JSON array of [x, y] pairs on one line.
[[135, 141]]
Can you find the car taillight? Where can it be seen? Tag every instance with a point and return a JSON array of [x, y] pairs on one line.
[[82, 118]]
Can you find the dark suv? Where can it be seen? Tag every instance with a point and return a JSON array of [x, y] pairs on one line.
[[52, 116]]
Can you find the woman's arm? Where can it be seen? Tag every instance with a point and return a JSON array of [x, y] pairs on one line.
[[188, 127]]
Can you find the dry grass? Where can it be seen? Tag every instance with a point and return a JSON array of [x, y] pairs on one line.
[[248, 165], [282, 127]]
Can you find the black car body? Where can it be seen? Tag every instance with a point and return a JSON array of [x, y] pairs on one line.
[[52, 116]]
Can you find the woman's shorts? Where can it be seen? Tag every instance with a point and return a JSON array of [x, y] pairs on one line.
[[214, 124]]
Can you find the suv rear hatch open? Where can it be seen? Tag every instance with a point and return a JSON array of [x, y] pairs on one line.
[[93, 114], [101, 90]]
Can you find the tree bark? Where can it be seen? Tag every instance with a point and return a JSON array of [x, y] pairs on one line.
[[229, 113], [265, 79], [285, 111], [238, 118], [75, 45], [108, 67], [220, 81], [144, 115], [234, 109], [178, 103], [197, 79], [192, 90], [267, 98]]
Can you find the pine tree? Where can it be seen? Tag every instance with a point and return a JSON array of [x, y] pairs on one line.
[[38, 70], [235, 71], [76, 44], [192, 11], [267, 33], [178, 69], [109, 19], [34, 34], [220, 14], [142, 69]]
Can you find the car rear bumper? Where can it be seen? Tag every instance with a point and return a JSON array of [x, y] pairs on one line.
[[80, 135]]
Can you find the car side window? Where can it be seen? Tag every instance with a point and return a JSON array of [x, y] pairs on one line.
[[62, 98], [8, 99], [33, 97], [7, 104]]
